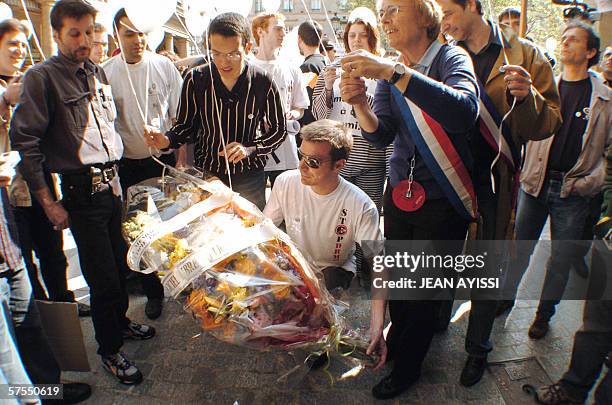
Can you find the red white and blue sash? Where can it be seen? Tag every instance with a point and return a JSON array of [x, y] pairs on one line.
[[440, 156], [489, 123]]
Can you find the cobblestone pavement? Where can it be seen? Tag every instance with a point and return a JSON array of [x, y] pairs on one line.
[[183, 366]]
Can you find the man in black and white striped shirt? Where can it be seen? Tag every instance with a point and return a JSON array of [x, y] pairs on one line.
[[231, 102]]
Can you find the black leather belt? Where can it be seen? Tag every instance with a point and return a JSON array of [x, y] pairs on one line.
[[555, 175], [92, 177]]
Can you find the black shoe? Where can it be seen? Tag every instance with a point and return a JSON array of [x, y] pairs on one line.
[[503, 306], [136, 331], [388, 388], [581, 268], [555, 394], [319, 362], [539, 328], [154, 306], [473, 370], [84, 310], [122, 368], [75, 393]]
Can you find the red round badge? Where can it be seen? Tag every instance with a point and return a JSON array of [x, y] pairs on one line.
[[405, 203]]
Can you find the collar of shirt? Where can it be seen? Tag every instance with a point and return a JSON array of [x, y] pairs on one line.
[[428, 57], [237, 90], [74, 68], [496, 37]]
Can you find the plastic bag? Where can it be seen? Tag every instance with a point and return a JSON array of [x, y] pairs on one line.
[[232, 268]]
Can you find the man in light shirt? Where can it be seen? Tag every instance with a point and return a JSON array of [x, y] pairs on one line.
[[269, 33], [146, 88]]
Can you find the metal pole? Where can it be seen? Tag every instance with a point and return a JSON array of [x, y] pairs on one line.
[[523, 26]]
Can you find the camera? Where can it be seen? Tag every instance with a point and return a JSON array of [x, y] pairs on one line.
[[576, 9]]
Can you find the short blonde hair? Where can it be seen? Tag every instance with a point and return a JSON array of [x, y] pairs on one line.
[[332, 132], [262, 20], [429, 14]]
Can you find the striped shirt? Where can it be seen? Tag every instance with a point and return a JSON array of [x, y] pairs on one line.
[[10, 253], [251, 114], [363, 154]]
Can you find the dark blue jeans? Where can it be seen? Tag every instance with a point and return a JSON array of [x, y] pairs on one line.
[[594, 339], [11, 368], [36, 354], [567, 218]]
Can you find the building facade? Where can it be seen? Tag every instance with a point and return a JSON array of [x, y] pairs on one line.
[[298, 11]]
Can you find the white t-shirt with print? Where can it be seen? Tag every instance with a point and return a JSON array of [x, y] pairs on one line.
[[324, 227], [291, 86], [164, 91]]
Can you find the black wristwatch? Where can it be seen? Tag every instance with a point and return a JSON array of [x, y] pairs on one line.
[[399, 71]]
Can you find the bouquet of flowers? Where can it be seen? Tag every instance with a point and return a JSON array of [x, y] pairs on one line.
[[242, 277]]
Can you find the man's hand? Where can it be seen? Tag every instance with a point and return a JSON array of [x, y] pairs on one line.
[[518, 81], [155, 139], [5, 181], [12, 93], [353, 90], [57, 215], [235, 152], [364, 64], [378, 346], [330, 75]]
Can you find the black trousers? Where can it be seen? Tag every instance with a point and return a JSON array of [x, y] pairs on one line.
[[36, 235], [133, 171], [95, 221], [414, 322]]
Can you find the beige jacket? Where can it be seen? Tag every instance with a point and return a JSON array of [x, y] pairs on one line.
[[19, 193], [587, 176], [537, 117]]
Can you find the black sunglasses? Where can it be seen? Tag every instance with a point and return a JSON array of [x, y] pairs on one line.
[[313, 163]]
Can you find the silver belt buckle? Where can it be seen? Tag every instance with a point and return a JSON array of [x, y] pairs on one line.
[[108, 174], [96, 179]]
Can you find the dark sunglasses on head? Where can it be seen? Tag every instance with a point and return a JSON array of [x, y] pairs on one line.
[[312, 162]]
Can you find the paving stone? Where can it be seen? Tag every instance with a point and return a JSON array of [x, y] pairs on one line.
[[183, 365]]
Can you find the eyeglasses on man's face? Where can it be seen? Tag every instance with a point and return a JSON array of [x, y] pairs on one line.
[[389, 11], [231, 56], [312, 162]]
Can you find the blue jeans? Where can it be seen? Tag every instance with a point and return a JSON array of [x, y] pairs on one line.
[[567, 217], [32, 342], [11, 367], [593, 342]]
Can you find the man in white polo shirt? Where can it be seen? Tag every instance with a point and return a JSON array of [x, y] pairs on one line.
[[324, 214]]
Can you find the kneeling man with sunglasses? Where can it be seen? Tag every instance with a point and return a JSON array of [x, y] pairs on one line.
[[324, 214]]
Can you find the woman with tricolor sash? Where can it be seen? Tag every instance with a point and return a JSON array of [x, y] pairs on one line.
[[425, 104]]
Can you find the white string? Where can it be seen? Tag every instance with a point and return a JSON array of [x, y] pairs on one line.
[[313, 23], [501, 124], [330, 24], [27, 14], [214, 97], [143, 115]]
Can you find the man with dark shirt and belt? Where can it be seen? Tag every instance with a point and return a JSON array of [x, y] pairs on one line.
[[65, 124], [562, 174], [309, 43], [238, 119]]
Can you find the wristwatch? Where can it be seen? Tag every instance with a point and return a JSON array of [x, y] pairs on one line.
[[399, 71]]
